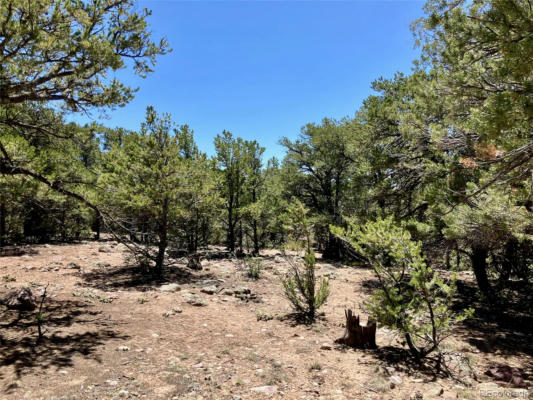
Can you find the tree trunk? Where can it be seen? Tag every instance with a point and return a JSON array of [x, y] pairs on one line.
[[240, 237], [163, 241], [97, 227], [357, 335], [479, 265], [3, 230], [333, 249], [231, 228], [256, 238]]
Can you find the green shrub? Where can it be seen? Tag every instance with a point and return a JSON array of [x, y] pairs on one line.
[[300, 287], [412, 298], [254, 268], [300, 284]]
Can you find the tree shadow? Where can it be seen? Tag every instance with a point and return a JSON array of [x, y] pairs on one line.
[[18, 343], [368, 286], [132, 277], [505, 328]]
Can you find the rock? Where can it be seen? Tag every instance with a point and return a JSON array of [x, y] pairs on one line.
[[123, 348], [171, 287], [111, 382], [227, 292], [326, 346], [278, 259], [436, 392], [73, 265], [396, 379], [195, 300], [194, 262], [20, 299], [102, 264], [123, 393], [506, 373], [104, 249], [416, 396], [242, 290], [177, 310], [268, 390], [209, 289]]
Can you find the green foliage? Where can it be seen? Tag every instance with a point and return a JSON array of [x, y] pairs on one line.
[[63, 50], [301, 287], [262, 316], [412, 298], [254, 268]]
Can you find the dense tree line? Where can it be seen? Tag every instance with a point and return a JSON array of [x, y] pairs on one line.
[[445, 151]]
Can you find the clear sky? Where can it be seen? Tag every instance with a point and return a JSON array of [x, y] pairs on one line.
[[263, 69]]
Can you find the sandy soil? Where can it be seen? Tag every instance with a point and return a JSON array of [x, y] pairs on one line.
[[113, 334]]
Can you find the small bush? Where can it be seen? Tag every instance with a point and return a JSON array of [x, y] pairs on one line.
[[412, 298], [254, 268], [300, 284], [301, 289], [316, 366], [262, 316]]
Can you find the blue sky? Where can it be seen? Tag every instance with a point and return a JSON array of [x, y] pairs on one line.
[[262, 69]]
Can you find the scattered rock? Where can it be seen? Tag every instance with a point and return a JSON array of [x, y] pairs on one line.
[[227, 292], [11, 251], [123, 348], [209, 289], [20, 299], [177, 310], [242, 290], [194, 299], [102, 264], [104, 249], [416, 396], [268, 390], [171, 287], [73, 265], [194, 262], [506, 373], [395, 379], [326, 346]]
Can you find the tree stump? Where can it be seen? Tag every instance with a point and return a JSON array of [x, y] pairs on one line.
[[357, 335]]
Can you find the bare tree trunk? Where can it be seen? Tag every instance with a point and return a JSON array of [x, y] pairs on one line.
[[3, 212], [97, 227], [256, 238], [163, 240], [479, 265]]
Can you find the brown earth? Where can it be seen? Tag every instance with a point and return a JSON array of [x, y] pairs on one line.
[[112, 333]]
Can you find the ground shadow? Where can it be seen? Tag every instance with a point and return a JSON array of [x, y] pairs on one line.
[[132, 277], [66, 335], [505, 328]]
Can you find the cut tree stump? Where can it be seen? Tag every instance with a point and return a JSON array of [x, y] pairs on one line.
[[357, 335]]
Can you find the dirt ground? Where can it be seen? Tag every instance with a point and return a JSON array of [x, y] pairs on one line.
[[112, 333]]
